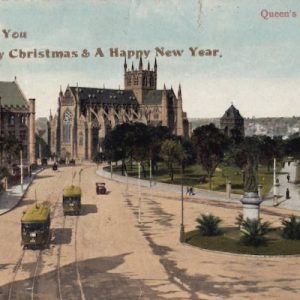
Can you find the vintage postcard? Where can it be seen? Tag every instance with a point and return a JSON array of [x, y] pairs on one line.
[[149, 149]]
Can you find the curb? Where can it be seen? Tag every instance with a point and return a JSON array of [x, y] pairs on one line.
[[240, 254], [24, 192], [163, 187]]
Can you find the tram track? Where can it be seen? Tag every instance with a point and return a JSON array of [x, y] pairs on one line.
[[22, 258], [72, 222], [26, 258]]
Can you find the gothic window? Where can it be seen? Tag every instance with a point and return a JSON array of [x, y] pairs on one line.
[[67, 121], [128, 81], [136, 80], [80, 138], [23, 120], [11, 120]]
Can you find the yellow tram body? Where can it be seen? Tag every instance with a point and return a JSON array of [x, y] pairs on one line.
[[72, 200], [35, 226]]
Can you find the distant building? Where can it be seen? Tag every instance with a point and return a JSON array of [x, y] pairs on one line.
[[86, 114], [232, 121], [17, 118]]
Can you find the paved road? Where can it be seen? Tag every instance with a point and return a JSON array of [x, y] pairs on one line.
[[107, 254]]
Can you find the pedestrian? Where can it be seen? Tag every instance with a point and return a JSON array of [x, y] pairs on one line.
[[192, 191], [288, 178], [187, 190], [287, 194]]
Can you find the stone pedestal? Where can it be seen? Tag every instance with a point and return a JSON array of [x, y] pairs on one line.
[[251, 206], [228, 189]]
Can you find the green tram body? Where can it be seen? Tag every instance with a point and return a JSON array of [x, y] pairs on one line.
[[72, 200], [35, 226]]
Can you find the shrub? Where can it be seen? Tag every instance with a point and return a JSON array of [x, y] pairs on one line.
[[254, 231], [291, 228], [239, 220], [208, 225]]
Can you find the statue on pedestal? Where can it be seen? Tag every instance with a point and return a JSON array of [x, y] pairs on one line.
[[250, 184]]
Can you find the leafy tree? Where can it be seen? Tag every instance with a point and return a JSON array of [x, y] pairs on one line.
[[10, 147], [292, 147], [172, 152], [210, 144], [291, 228], [254, 231], [208, 225]]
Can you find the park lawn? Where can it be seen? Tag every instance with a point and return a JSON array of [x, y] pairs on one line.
[[192, 175], [229, 241]]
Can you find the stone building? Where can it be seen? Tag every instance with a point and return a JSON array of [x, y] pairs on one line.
[[86, 114], [17, 118], [232, 121]]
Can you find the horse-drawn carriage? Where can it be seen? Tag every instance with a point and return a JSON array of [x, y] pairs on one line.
[[100, 188]]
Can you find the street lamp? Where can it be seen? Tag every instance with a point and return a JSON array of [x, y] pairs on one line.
[[21, 165], [139, 168], [182, 234]]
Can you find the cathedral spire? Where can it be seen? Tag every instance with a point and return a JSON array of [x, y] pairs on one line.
[[141, 64], [132, 66], [125, 64], [179, 91], [155, 64]]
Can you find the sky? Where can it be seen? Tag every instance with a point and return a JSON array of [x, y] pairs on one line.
[[257, 66]]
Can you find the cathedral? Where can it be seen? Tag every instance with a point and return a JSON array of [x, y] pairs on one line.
[[86, 114]]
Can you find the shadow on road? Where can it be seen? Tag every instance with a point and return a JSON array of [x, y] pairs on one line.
[[61, 236], [88, 209]]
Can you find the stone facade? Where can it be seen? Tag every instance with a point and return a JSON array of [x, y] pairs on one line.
[[85, 115], [232, 120], [17, 118]]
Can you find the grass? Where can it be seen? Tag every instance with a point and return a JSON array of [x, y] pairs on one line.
[[229, 241], [193, 173]]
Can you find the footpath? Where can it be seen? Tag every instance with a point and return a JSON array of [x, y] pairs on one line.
[[293, 203], [12, 196], [198, 193]]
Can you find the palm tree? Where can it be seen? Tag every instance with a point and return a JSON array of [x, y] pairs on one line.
[[254, 231], [208, 225], [291, 228]]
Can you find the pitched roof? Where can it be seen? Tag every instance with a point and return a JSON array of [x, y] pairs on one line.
[[105, 96], [232, 113], [154, 97], [11, 95]]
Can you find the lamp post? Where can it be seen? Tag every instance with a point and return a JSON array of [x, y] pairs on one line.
[[111, 169], [139, 168], [150, 170], [182, 234], [21, 164]]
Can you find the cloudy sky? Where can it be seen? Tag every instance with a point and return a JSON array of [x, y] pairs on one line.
[[257, 67]]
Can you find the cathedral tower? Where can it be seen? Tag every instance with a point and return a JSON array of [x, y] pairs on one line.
[[140, 80]]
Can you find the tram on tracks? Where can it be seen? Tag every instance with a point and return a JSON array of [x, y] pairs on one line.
[[72, 200], [35, 226]]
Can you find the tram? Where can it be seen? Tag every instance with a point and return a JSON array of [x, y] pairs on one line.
[[35, 226], [72, 200]]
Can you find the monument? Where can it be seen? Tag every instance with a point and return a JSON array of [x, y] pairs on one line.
[[251, 200]]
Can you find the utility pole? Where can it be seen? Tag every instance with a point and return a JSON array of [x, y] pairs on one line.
[[139, 170], [150, 171], [21, 164], [182, 234], [111, 169]]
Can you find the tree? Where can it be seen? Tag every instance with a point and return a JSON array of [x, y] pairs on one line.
[[254, 232], [208, 225], [210, 144], [172, 152]]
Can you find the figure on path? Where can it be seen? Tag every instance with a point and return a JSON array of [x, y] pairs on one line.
[[288, 178], [287, 194]]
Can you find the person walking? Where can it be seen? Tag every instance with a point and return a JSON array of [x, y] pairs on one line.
[[288, 178], [287, 194]]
